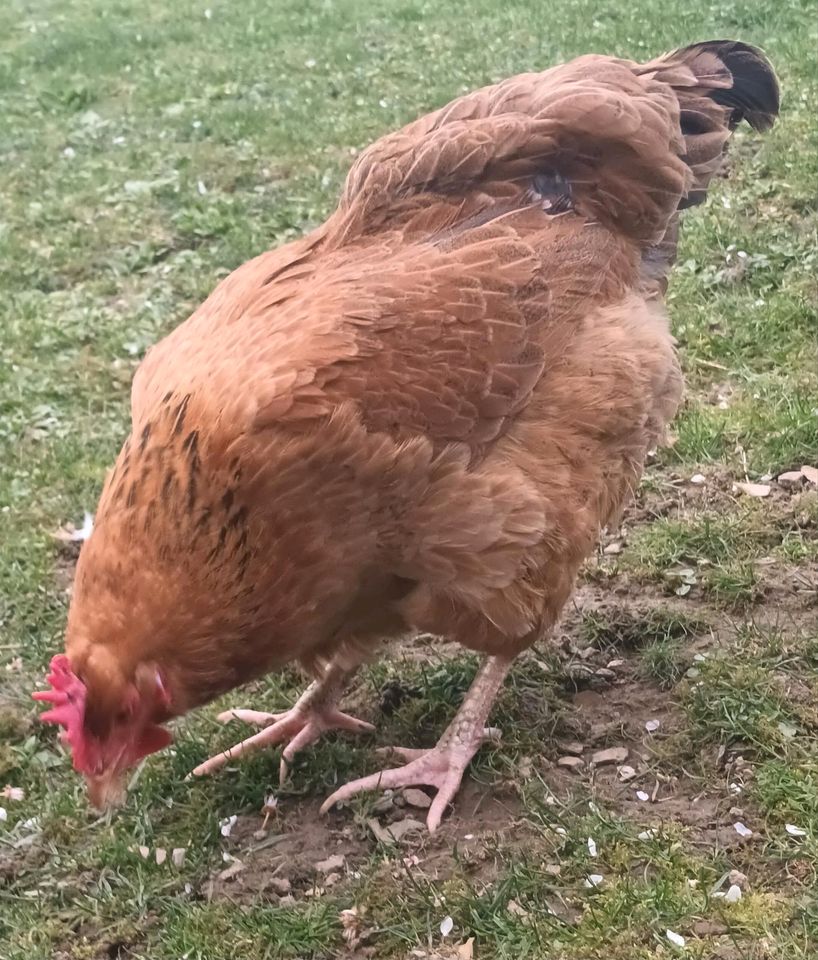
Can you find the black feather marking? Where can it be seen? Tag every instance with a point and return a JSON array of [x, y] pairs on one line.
[[167, 485], [239, 518], [191, 447], [219, 545], [150, 515], [143, 440], [191, 491], [227, 500], [131, 501], [554, 191], [180, 413]]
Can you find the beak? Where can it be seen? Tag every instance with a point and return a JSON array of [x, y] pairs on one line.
[[106, 791]]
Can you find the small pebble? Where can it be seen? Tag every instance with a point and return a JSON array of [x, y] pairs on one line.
[[417, 798], [616, 755]]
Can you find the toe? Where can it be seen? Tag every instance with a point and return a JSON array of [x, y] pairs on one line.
[[385, 780], [256, 717]]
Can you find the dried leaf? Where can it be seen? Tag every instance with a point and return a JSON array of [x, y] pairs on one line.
[[232, 871], [394, 832], [811, 473], [351, 922], [753, 489], [466, 950], [336, 862]]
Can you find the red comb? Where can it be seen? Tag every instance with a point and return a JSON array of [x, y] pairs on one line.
[[67, 694]]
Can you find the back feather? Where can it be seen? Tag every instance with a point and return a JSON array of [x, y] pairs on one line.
[[635, 142]]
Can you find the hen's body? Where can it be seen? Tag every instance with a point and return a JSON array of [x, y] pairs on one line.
[[422, 414]]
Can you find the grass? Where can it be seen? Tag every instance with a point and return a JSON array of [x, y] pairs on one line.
[[147, 149]]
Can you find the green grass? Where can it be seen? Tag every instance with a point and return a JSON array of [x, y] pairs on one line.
[[146, 149]]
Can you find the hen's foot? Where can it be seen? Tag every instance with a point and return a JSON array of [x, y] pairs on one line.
[[443, 766], [314, 715]]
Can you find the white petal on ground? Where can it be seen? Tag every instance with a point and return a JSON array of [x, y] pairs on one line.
[[446, 926], [741, 830], [592, 846], [794, 831], [675, 938], [226, 825]]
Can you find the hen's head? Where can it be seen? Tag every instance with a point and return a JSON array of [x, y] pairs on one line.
[[109, 722]]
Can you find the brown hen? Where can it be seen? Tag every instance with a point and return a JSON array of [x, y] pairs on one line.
[[420, 416]]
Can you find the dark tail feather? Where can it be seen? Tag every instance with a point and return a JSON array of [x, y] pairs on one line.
[[753, 94], [718, 84]]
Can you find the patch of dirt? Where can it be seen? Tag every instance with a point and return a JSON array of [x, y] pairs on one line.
[[290, 860]]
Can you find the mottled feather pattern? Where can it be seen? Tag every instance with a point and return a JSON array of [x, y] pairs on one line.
[[421, 414]]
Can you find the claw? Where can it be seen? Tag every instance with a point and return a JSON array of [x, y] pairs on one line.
[[441, 768], [300, 727]]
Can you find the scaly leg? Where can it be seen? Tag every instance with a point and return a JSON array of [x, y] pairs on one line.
[[444, 765], [313, 715]]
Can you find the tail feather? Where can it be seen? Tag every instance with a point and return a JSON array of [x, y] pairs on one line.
[[718, 83], [752, 94]]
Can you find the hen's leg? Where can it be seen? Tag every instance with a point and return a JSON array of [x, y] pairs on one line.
[[443, 766], [314, 714]]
